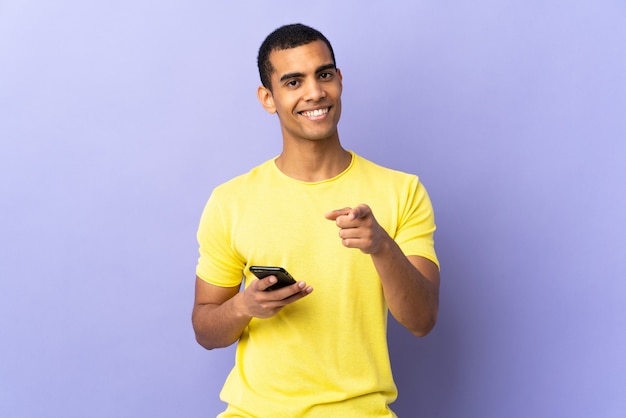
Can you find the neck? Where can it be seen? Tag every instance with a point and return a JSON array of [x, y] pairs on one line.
[[313, 161]]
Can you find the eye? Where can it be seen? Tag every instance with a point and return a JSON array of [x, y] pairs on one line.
[[326, 75], [292, 83]]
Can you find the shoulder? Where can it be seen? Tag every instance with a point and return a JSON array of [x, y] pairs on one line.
[[245, 180], [374, 170]]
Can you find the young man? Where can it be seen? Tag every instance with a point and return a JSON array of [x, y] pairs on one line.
[[359, 234]]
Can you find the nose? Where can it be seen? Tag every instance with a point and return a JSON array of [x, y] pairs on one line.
[[314, 91]]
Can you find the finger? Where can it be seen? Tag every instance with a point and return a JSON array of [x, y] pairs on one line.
[[266, 282], [302, 290], [361, 211], [290, 294], [334, 214]]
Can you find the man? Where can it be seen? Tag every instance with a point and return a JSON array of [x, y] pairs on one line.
[[359, 234]]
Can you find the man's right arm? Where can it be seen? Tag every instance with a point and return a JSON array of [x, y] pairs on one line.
[[215, 319], [220, 314]]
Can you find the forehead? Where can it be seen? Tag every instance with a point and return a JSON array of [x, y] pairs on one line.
[[302, 59]]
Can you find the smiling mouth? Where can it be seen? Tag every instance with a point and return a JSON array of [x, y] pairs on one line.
[[314, 114]]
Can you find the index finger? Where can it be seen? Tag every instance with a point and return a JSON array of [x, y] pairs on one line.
[[334, 214]]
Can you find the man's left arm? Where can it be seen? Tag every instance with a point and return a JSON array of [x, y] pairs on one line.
[[410, 284]]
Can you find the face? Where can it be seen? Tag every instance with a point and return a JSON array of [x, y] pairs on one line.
[[306, 92]]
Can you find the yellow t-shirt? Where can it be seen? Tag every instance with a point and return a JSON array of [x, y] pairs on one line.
[[325, 355]]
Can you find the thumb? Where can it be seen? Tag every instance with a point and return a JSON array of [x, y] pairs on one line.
[[361, 211]]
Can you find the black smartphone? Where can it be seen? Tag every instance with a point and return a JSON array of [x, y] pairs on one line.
[[284, 278]]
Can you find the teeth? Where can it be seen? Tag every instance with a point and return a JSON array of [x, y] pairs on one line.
[[314, 113]]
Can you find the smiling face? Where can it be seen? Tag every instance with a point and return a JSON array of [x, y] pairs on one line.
[[306, 92]]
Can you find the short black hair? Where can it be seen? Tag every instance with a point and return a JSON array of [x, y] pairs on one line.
[[286, 37]]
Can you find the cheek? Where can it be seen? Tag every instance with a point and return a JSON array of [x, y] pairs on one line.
[[284, 106]]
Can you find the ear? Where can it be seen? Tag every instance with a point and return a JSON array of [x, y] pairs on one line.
[[267, 99], [340, 78]]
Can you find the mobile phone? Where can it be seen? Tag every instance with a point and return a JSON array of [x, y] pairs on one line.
[[284, 278]]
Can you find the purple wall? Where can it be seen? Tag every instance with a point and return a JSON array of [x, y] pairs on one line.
[[118, 118]]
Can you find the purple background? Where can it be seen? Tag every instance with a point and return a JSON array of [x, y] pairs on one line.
[[117, 119]]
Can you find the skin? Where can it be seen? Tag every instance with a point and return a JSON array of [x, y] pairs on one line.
[[410, 284], [306, 96], [305, 79]]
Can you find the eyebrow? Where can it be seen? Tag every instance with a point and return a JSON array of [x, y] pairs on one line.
[[299, 75]]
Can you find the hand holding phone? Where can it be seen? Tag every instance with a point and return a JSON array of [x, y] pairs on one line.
[[283, 277]]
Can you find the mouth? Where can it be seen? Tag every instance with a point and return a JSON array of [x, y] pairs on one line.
[[315, 114]]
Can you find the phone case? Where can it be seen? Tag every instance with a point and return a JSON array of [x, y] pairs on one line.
[[283, 276]]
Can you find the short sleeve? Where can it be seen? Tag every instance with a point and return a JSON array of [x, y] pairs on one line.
[[218, 263], [416, 228]]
